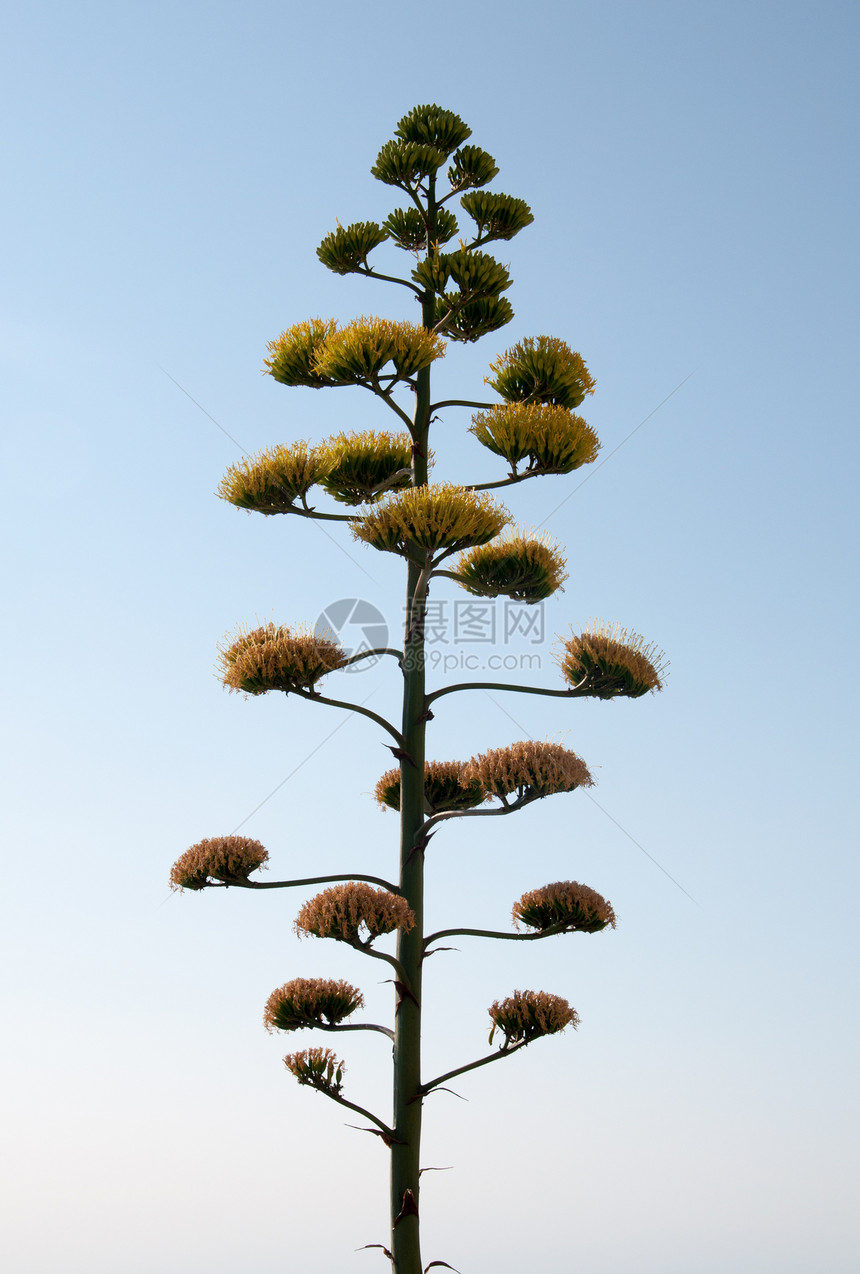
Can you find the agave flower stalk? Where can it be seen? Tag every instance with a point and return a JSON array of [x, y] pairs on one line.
[[394, 509]]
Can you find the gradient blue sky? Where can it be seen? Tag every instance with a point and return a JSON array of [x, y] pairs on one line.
[[169, 172]]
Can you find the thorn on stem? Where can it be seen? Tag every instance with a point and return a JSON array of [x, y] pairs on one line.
[[380, 1245], [409, 1207]]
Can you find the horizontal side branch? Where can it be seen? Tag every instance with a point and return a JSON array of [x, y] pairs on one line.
[[354, 1026], [307, 880], [572, 693], [351, 707], [471, 1066], [458, 402], [549, 932], [359, 1110]]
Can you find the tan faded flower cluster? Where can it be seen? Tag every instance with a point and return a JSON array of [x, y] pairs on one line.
[[565, 902], [607, 661], [275, 657], [310, 1002], [222, 858], [319, 1067], [348, 912], [444, 788], [437, 516], [526, 1015], [528, 770]]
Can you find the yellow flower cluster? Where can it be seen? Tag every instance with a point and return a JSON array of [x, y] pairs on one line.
[[294, 355], [549, 437], [426, 518], [271, 481], [541, 369], [525, 565], [318, 353], [358, 463]]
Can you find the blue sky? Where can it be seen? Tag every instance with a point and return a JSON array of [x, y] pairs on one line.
[[169, 174]]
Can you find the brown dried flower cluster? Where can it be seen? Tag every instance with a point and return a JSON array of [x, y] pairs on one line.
[[319, 1067], [607, 661], [221, 858], [344, 911], [526, 1015], [276, 657], [529, 770], [310, 1002], [565, 902], [444, 788]]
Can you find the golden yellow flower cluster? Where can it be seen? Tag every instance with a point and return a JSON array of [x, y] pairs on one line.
[[361, 462], [526, 1015], [423, 519], [294, 355], [549, 437], [310, 1002], [541, 369], [275, 657], [608, 661], [565, 902], [221, 858], [528, 770], [271, 481], [346, 912], [317, 352], [525, 565]]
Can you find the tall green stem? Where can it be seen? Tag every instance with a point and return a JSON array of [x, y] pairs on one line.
[[408, 1097]]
